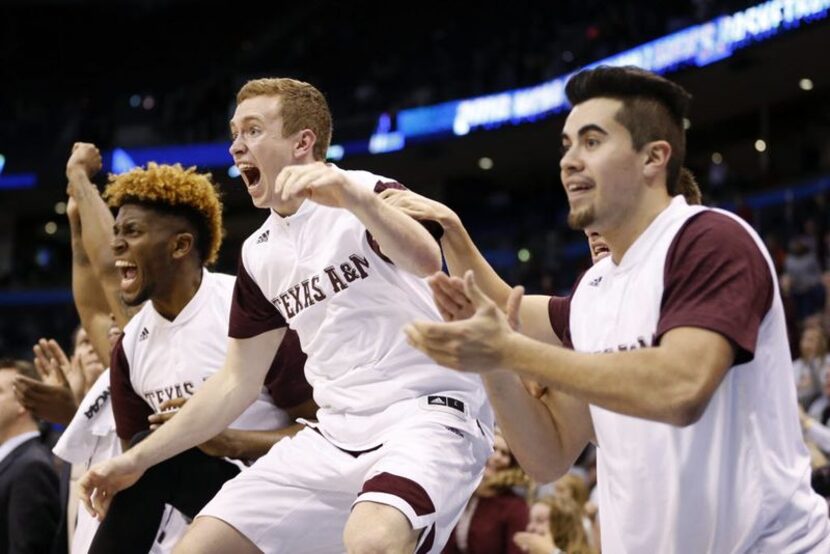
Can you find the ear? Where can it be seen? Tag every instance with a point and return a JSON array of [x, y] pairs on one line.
[[304, 144], [182, 245], [657, 156]]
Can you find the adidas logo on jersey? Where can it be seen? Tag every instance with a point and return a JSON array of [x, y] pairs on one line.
[[263, 237], [144, 334], [596, 282], [446, 401]]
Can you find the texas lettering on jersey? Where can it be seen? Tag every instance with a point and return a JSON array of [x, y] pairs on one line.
[[179, 390], [308, 292], [642, 342]]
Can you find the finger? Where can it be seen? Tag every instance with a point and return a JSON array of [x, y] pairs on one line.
[[514, 303], [440, 356], [86, 488], [57, 352], [445, 315], [445, 303], [101, 502], [160, 418], [172, 404], [476, 296], [289, 175], [453, 287], [42, 367], [42, 361], [60, 363], [417, 334], [304, 183], [287, 179]]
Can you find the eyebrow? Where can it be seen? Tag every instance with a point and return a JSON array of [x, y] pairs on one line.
[[243, 120], [587, 129]]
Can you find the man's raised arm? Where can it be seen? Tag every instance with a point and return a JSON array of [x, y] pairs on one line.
[[96, 221], [402, 239]]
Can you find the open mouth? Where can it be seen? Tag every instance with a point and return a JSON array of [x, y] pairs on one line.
[[129, 274], [577, 188], [600, 250], [250, 174]]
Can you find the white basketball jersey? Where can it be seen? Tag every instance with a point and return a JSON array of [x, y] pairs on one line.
[[319, 270], [736, 480]]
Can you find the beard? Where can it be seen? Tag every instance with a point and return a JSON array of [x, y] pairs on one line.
[[581, 218], [140, 297]]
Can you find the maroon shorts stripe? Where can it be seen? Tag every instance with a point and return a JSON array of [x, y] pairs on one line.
[[405, 489]]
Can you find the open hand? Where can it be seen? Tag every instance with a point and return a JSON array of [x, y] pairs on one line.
[[104, 480], [476, 344], [318, 182], [418, 207]]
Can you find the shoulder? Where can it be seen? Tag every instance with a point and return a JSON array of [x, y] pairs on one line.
[[370, 180], [30, 456], [717, 241], [222, 282], [715, 230]]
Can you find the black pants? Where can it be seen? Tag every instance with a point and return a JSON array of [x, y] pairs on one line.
[[187, 482]]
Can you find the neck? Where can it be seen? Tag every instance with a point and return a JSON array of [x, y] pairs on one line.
[[181, 291], [632, 225], [23, 425]]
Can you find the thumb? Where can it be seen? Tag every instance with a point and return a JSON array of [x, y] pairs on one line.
[[514, 304], [475, 294]]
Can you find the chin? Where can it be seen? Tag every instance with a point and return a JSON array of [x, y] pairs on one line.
[[581, 219], [135, 300], [260, 201]]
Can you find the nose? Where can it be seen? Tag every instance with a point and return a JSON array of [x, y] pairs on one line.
[[570, 162], [237, 146], [118, 244]]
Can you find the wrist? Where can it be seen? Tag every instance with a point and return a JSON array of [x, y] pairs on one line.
[[135, 459], [450, 221], [75, 172], [357, 199], [233, 446]]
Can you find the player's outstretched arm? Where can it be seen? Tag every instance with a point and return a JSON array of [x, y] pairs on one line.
[[402, 239], [546, 430], [240, 443], [218, 402], [96, 222], [671, 383], [462, 255]]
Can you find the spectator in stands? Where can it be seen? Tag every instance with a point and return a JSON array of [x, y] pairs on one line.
[[810, 368], [561, 531], [820, 408], [63, 380], [29, 502], [495, 512], [804, 273]]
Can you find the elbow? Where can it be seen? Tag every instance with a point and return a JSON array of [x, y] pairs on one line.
[[687, 409], [546, 474], [543, 467], [428, 263]]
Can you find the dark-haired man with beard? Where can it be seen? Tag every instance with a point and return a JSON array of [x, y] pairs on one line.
[[679, 368]]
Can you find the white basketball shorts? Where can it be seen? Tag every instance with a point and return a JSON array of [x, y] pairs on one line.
[[298, 497]]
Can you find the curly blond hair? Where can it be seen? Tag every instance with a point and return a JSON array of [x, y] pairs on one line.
[[508, 478], [174, 188], [303, 107]]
